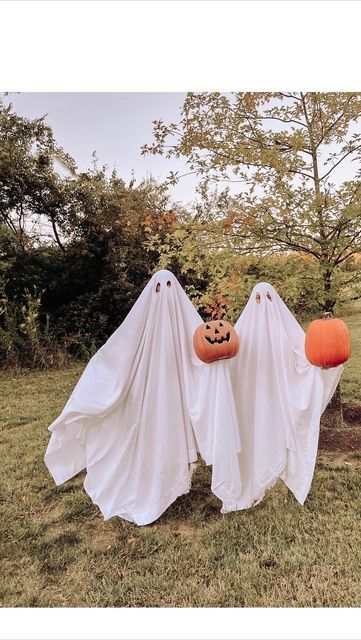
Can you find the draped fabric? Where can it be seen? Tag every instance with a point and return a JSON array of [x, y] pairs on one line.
[[145, 405], [131, 418], [279, 400]]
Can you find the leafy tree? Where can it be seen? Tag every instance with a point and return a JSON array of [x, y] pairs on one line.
[[108, 262], [296, 159], [30, 190], [201, 253], [78, 238]]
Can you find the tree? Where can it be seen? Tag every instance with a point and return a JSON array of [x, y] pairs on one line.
[[31, 190], [78, 238], [296, 159], [107, 261], [199, 247]]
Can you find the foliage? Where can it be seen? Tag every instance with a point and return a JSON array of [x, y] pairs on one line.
[[30, 188], [24, 340], [295, 157], [89, 242], [221, 280], [79, 238]]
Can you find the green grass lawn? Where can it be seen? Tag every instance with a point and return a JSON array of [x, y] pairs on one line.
[[56, 550], [351, 378]]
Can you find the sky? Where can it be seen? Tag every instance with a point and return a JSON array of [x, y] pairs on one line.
[[115, 125]]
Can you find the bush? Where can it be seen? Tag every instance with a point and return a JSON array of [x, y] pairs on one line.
[[25, 341]]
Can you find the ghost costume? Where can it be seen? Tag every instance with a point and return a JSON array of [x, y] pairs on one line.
[[145, 405], [133, 417], [279, 400]]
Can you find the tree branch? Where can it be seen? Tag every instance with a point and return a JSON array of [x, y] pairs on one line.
[[339, 162], [283, 120], [56, 234], [335, 122], [341, 259]]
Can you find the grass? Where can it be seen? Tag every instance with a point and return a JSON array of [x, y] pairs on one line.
[[351, 378], [56, 550]]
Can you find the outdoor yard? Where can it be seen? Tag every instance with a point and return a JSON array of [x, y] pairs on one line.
[[56, 550]]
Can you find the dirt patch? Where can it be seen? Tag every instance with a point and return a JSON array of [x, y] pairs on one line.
[[348, 438], [352, 414], [345, 439]]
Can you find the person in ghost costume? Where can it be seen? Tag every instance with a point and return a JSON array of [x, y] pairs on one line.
[[133, 415], [279, 400]]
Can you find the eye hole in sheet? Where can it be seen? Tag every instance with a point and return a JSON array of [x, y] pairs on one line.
[[258, 298], [269, 296], [169, 284], [157, 287]]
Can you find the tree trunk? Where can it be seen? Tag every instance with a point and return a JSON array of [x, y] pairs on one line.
[[59, 243], [332, 417], [329, 301]]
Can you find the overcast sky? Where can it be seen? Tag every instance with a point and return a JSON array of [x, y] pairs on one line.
[[115, 125]]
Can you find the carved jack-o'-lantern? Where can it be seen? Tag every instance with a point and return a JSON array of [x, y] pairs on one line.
[[215, 340]]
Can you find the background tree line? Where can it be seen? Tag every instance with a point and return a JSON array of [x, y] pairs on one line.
[[76, 248]]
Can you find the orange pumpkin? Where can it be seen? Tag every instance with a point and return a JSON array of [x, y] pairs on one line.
[[215, 340], [327, 342]]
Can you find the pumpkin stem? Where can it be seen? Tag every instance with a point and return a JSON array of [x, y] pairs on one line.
[[328, 315]]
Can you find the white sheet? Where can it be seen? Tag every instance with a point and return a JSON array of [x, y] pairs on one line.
[[145, 404], [131, 418], [279, 399]]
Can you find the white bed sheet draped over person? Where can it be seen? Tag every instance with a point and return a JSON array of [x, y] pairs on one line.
[[133, 417], [279, 400], [145, 405]]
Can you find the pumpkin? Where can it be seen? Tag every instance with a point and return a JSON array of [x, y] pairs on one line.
[[327, 342], [215, 340]]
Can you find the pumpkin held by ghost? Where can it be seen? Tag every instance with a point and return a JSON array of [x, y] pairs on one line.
[[215, 340], [327, 342]]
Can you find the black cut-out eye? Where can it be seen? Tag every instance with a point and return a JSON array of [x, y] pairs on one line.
[[207, 326], [169, 284], [221, 324], [157, 287], [269, 296]]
